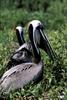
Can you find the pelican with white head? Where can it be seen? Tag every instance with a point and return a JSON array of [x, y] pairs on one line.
[[20, 35]]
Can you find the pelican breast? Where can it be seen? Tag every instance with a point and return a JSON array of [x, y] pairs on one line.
[[20, 75]]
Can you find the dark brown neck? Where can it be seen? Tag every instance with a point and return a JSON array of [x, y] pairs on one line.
[[36, 51], [20, 38]]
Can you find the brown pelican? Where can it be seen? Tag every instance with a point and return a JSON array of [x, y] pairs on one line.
[[22, 74], [44, 42], [39, 39], [23, 53]]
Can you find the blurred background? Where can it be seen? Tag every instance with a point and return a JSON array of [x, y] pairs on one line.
[[53, 15]]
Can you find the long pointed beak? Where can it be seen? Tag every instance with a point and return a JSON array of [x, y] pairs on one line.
[[45, 45]]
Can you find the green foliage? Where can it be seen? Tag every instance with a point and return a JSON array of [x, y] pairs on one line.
[[50, 86], [53, 15]]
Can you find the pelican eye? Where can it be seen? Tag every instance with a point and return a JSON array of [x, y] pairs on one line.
[[40, 27]]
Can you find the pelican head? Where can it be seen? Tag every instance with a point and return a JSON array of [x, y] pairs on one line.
[[39, 39], [19, 33]]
